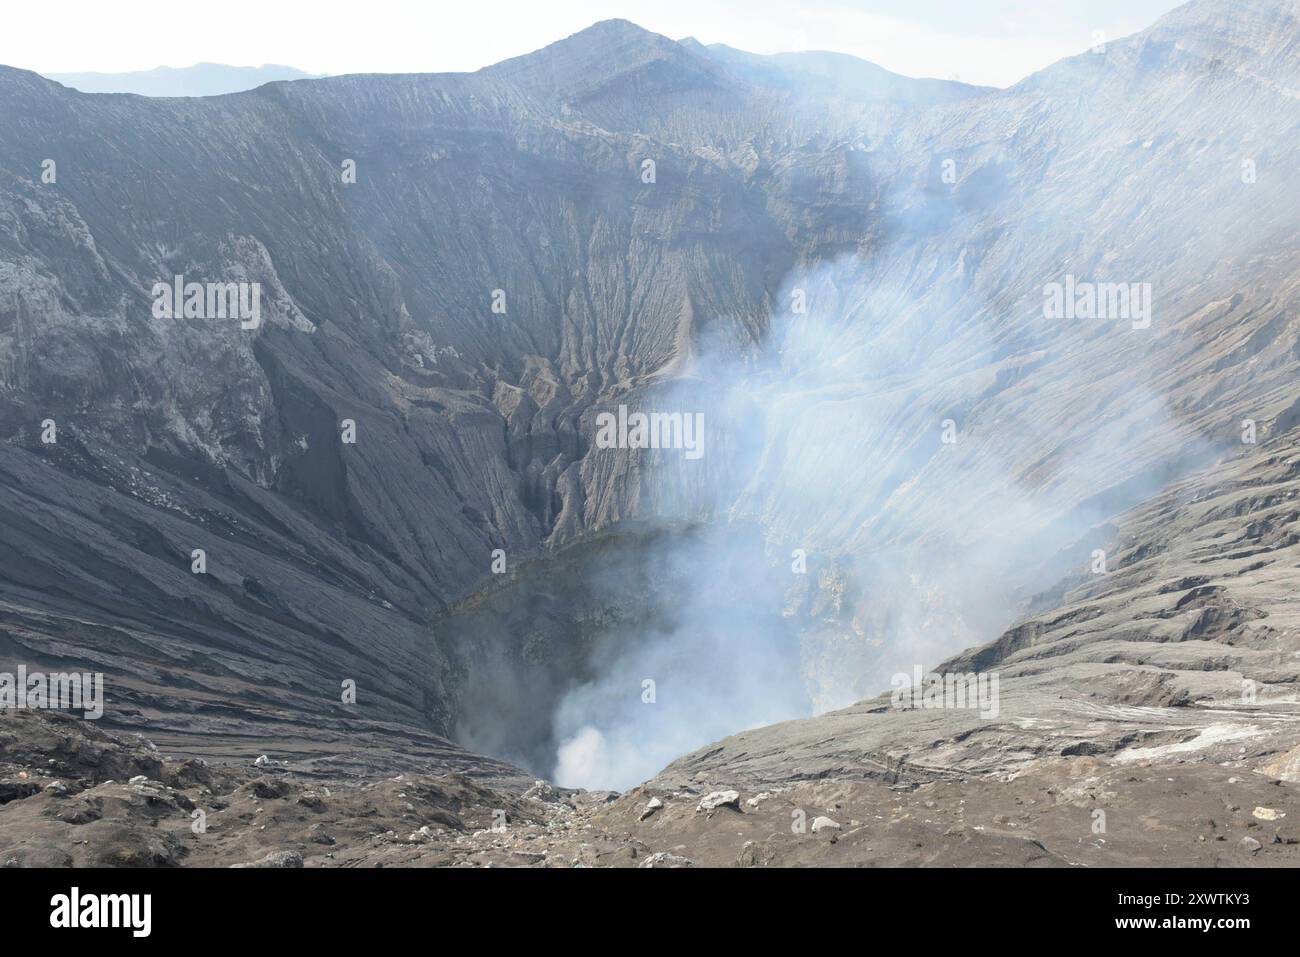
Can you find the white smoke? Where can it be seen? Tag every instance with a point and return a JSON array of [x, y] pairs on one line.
[[830, 439]]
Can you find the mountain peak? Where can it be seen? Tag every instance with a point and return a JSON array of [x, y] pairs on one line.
[[825, 73], [592, 59]]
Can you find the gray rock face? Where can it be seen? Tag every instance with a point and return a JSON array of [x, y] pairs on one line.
[[503, 269]]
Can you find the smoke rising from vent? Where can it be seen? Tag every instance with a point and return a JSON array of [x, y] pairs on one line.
[[875, 433]]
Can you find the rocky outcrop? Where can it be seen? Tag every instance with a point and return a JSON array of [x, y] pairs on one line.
[[1062, 812]]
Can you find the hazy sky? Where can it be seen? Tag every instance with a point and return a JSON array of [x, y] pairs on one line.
[[981, 41]]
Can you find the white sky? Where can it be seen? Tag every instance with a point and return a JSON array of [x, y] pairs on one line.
[[995, 42]]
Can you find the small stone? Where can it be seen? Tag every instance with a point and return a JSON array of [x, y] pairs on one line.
[[653, 805], [1268, 814], [717, 799], [277, 859], [267, 789], [262, 761], [824, 824], [1250, 845], [317, 835], [664, 859], [544, 792]]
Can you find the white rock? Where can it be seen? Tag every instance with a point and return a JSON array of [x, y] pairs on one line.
[[824, 824], [719, 799], [262, 761], [1268, 814], [652, 805], [139, 779]]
